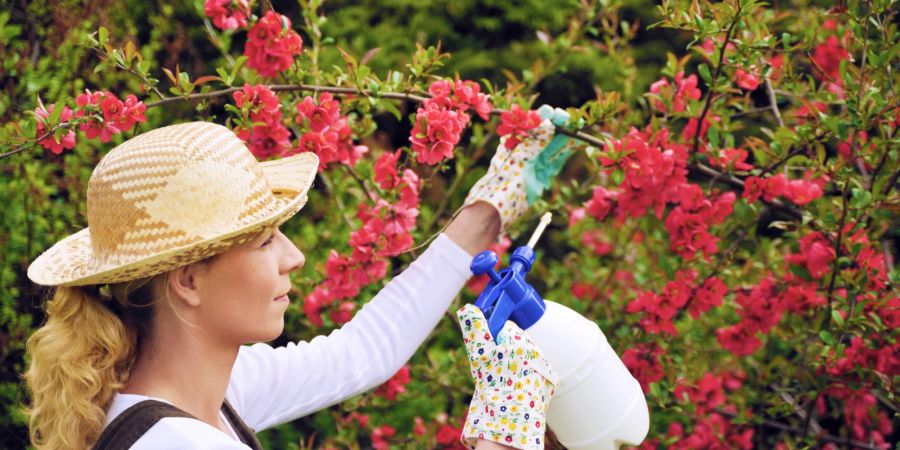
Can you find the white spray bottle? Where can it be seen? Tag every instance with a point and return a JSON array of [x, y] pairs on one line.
[[598, 405]]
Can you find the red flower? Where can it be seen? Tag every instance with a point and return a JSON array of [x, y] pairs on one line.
[[738, 340], [380, 436], [272, 45], [343, 313], [817, 252], [419, 426], [52, 143], [329, 136], [593, 240], [395, 385], [643, 362], [601, 203], [447, 435], [828, 56], [685, 90], [746, 80], [228, 14], [731, 159], [515, 124]]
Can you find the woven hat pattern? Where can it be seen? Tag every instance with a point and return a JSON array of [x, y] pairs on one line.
[[170, 197]]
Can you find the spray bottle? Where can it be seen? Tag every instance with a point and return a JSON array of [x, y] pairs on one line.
[[598, 405]]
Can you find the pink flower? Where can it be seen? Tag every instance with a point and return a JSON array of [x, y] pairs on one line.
[[386, 170], [343, 313], [272, 45], [746, 80], [107, 114], [53, 143], [802, 192], [435, 133], [731, 159], [228, 14], [319, 116], [515, 124], [685, 90]]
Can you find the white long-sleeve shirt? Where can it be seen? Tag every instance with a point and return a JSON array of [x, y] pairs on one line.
[[270, 386]]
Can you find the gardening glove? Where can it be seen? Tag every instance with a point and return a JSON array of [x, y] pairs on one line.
[[513, 384], [516, 178]]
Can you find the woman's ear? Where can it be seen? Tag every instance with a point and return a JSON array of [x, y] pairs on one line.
[[185, 282]]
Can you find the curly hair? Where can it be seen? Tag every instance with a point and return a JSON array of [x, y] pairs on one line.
[[82, 355]]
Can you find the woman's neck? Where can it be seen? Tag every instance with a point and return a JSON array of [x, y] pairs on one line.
[[186, 367]]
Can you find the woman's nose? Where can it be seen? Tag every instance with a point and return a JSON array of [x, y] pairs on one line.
[[292, 258]]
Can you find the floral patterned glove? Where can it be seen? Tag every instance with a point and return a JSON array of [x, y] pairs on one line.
[[513, 384], [517, 176]]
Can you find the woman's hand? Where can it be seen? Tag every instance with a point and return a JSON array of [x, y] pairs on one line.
[[517, 177], [513, 385]]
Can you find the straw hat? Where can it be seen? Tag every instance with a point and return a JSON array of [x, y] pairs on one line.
[[170, 197]]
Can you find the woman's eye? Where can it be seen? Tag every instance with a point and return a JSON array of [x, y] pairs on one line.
[[268, 241]]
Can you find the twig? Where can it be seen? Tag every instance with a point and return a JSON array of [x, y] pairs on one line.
[[773, 103], [791, 153], [362, 184], [748, 112], [712, 85], [31, 143], [806, 416]]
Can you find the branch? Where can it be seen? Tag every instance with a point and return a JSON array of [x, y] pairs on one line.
[[290, 88], [773, 103], [715, 77], [32, 142], [837, 252]]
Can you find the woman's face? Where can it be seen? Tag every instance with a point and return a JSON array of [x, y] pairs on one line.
[[244, 290]]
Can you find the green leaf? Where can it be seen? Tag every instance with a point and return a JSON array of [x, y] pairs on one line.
[[102, 36], [618, 176], [836, 316], [801, 272], [860, 198], [703, 69], [826, 337], [713, 135]]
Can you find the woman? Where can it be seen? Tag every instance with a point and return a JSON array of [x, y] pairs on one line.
[[183, 263]]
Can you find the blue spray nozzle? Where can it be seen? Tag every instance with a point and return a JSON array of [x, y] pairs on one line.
[[507, 295]]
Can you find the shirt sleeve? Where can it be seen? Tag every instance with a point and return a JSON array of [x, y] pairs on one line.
[[270, 386]]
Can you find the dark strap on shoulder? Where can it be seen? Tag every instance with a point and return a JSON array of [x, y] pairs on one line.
[[132, 423], [246, 434]]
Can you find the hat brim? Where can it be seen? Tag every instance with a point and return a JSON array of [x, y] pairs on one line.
[[73, 262]]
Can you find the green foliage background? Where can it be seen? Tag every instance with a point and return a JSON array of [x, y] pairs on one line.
[[44, 52]]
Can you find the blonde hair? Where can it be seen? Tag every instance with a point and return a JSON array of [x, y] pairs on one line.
[[82, 355]]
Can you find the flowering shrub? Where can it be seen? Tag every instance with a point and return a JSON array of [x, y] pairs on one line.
[[729, 219]]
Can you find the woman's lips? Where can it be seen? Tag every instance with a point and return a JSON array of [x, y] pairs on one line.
[[283, 298]]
